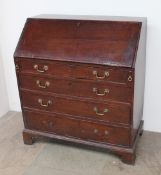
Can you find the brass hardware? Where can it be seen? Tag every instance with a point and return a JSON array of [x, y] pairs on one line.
[[106, 91], [98, 113], [17, 67], [47, 84], [49, 102], [95, 131], [106, 74], [130, 78], [45, 68], [106, 133]]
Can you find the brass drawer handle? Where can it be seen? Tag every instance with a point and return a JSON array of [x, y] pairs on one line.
[[106, 74], [45, 68], [106, 133], [49, 102], [106, 91], [95, 131], [47, 84], [17, 67], [98, 113], [130, 78]]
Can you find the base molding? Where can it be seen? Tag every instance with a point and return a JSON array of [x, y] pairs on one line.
[[127, 154]]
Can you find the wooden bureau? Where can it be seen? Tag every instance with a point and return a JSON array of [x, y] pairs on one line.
[[81, 80]]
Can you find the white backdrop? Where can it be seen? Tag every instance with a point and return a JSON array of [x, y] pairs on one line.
[[14, 16], [4, 106]]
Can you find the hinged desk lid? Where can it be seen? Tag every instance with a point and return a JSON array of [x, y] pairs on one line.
[[86, 41]]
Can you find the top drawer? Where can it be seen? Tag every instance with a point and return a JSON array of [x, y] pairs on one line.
[[75, 70]]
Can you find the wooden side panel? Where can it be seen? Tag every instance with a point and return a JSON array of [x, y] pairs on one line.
[[139, 80]]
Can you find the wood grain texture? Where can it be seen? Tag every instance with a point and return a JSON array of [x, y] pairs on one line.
[[82, 81], [117, 112], [98, 90], [73, 127], [97, 42], [75, 71]]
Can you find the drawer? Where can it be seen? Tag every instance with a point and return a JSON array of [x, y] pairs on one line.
[[86, 130], [78, 71], [51, 123], [79, 88], [107, 111]]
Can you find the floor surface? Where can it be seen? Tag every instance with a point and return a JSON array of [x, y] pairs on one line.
[[49, 158]]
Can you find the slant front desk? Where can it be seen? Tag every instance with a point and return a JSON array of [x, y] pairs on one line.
[[81, 80]]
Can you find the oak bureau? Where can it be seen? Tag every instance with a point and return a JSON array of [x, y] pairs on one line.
[[81, 80]]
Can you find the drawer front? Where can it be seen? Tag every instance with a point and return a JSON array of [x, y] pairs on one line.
[[78, 71], [79, 88], [86, 130], [109, 112], [51, 123]]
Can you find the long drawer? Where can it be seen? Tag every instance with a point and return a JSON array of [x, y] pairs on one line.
[[76, 71], [86, 130], [79, 88], [107, 111]]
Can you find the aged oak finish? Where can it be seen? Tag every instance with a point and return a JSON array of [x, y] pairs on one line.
[[81, 80]]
